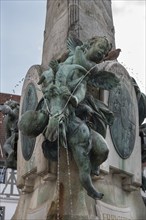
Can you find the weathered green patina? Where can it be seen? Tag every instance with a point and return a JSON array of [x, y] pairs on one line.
[[70, 111], [11, 111]]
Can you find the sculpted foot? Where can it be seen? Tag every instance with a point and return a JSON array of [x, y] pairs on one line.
[[96, 172], [11, 157], [96, 196]]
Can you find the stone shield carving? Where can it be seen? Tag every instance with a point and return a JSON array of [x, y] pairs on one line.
[[123, 131], [30, 102]]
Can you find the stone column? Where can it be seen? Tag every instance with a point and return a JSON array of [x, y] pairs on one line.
[[80, 18]]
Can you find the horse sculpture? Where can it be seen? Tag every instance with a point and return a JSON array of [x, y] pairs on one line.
[[88, 147], [64, 87]]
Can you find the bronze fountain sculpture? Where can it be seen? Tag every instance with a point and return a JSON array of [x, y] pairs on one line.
[[69, 115]]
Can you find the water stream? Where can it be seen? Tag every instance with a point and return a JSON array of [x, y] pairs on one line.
[[69, 182]]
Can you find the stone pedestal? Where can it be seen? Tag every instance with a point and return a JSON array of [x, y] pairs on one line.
[[49, 189]]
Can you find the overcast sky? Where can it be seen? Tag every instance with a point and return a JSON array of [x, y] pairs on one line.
[[22, 27]]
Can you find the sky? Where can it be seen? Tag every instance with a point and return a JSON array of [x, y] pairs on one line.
[[22, 24], [129, 18]]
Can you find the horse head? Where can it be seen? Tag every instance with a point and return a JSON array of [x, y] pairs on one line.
[[57, 97]]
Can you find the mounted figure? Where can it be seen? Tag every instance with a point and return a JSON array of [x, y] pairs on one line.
[[65, 92], [11, 111]]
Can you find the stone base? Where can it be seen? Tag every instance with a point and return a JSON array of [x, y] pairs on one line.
[[119, 179], [117, 204]]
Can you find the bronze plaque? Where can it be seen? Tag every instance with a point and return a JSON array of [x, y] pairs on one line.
[[123, 130], [30, 102]]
